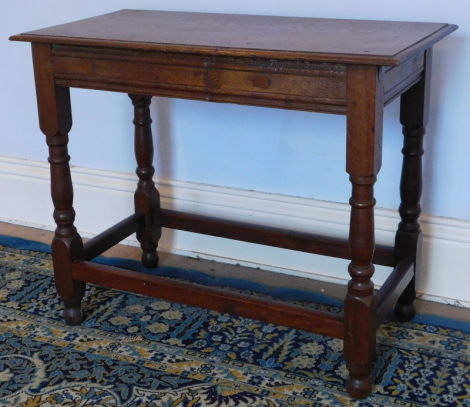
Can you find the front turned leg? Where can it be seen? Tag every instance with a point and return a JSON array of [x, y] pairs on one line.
[[55, 119], [363, 161], [361, 303], [146, 198], [67, 244], [414, 113]]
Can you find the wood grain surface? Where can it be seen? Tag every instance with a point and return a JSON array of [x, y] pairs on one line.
[[317, 39]]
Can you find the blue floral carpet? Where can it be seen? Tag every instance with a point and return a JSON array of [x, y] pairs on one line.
[[138, 351]]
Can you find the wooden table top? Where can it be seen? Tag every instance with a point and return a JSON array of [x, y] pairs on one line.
[[309, 39]]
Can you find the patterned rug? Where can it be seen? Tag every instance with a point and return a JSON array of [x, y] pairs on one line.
[[139, 351]]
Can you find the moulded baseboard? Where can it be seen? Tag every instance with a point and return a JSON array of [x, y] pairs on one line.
[[102, 198]]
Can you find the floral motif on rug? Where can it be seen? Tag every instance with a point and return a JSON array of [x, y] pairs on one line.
[[133, 350]]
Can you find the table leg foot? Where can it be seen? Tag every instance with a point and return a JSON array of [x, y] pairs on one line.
[[73, 315], [64, 252], [150, 259], [405, 309], [359, 386], [405, 312]]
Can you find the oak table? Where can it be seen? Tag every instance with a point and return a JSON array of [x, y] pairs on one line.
[[347, 67]]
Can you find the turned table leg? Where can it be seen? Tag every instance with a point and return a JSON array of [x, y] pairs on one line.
[[55, 119], [364, 144], [67, 244], [146, 198], [361, 303], [413, 116]]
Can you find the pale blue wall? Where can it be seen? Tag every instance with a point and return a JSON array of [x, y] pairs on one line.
[[292, 153]]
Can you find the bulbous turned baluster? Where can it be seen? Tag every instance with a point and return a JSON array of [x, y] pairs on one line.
[[361, 302], [55, 120], [414, 115], [146, 198], [363, 161], [408, 237], [67, 245]]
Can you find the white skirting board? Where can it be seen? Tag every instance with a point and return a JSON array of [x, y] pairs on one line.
[[103, 198]]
